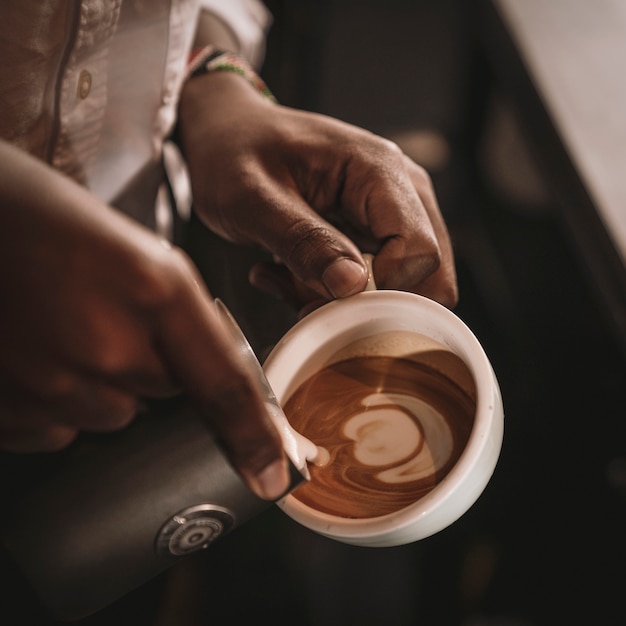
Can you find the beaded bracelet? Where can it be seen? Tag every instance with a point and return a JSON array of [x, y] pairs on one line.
[[211, 59]]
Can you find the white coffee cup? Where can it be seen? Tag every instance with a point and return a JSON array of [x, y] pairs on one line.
[[325, 335]]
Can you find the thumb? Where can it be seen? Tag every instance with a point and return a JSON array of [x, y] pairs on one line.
[[344, 276], [317, 253]]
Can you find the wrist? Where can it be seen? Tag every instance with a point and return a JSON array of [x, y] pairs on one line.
[[209, 59]]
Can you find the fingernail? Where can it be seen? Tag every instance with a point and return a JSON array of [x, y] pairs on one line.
[[272, 482], [344, 277]]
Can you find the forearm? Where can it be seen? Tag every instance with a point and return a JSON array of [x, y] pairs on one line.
[[36, 199]]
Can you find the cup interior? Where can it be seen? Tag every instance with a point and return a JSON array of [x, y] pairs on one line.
[[396, 324]]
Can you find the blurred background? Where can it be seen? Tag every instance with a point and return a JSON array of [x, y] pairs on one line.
[[545, 544]]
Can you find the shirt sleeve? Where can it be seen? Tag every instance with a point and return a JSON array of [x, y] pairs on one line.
[[249, 20]]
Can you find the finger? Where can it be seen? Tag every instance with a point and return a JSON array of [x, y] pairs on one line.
[[276, 280], [442, 284], [83, 405], [397, 202], [50, 438], [145, 381], [381, 198], [316, 252], [97, 407], [109, 376], [213, 374], [130, 363]]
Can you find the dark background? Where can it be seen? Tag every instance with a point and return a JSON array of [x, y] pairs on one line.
[[545, 544]]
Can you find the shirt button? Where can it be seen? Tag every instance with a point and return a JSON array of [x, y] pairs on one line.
[[84, 84]]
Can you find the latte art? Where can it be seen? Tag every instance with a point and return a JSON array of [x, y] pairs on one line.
[[393, 428], [403, 432]]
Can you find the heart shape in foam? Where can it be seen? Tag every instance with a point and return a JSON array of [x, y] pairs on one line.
[[400, 431]]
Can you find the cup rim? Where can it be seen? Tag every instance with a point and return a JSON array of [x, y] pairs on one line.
[[448, 329]]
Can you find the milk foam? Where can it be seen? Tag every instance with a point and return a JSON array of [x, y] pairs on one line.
[[296, 446], [385, 434], [393, 429]]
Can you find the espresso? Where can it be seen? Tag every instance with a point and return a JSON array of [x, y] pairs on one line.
[[393, 428]]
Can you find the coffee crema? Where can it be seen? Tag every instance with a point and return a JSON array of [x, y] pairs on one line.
[[393, 428]]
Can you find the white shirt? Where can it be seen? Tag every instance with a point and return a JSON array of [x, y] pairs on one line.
[[92, 86]]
